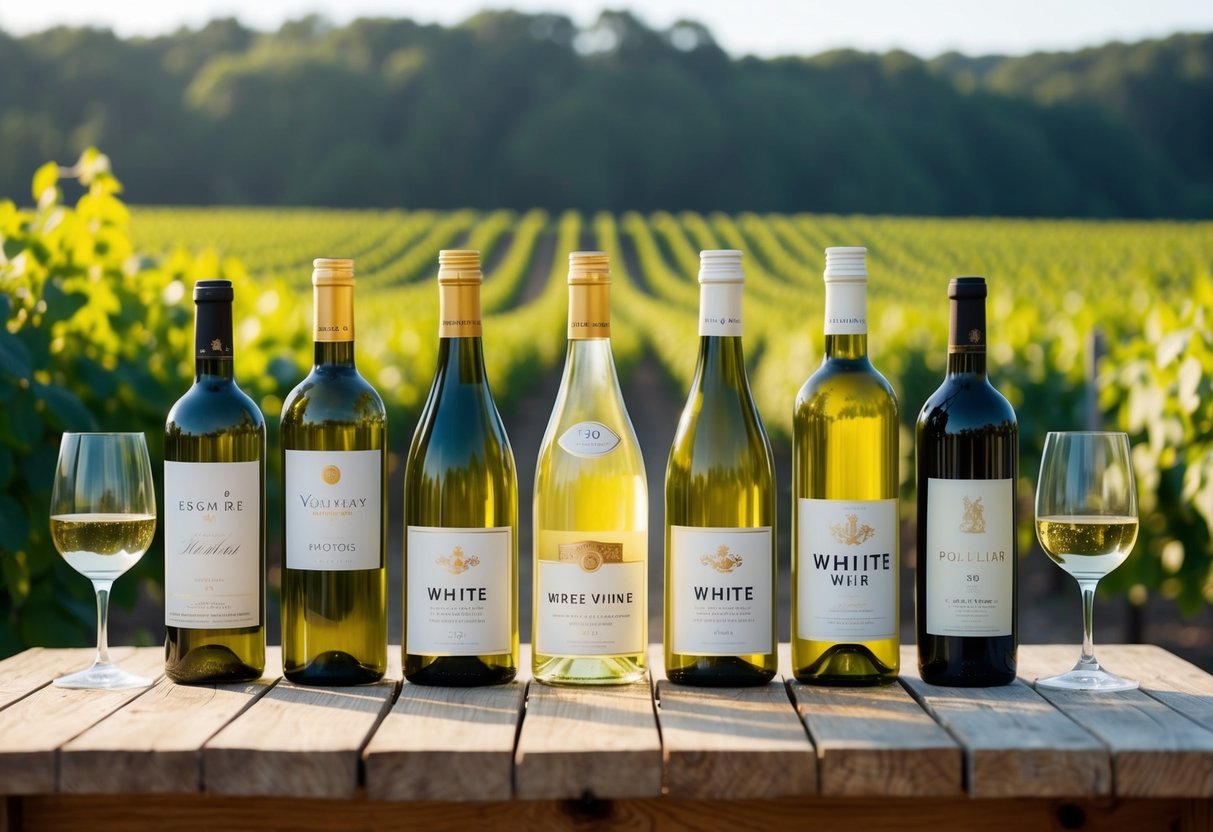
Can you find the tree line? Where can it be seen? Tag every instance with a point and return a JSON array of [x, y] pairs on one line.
[[525, 110]]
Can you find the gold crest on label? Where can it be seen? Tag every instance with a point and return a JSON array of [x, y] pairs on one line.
[[331, 474], [456, 562], [974, 336], [216, 345], [974, 521], [723, 560], [590, 555], [852, 533]]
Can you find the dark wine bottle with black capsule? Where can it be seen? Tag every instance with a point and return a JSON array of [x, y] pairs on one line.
[[334, 580], [214, 512], [967, 465]]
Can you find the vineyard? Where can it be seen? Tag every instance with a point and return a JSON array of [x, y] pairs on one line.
[[99, 322]]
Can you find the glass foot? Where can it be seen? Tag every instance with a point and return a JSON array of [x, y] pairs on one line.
[[1087, 677], [103, 676]]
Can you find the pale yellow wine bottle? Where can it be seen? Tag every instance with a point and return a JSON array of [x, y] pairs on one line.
[[334, 581], [460, 508], [591, 508], [720, 507], [845, 535]]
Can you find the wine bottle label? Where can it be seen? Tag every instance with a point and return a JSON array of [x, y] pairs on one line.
[[720, 309], [846, 308], [721, 593], [970, 557], [459, 310], [212, 544], [334, 508], [334, 313], [591, 593], [589, 311], [459, 591], [589, 439], [847, 570]]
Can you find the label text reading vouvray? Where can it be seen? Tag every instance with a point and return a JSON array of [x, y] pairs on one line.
[[875, 562], [594, 597], [310, 501]]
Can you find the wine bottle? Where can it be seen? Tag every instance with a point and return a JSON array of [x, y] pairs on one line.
[[720, 507], [591, 508], [460, 508], [214, 512], [845, 535], [334, 583], [967, 461]]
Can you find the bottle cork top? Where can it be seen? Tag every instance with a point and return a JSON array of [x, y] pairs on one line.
[[458, 265], [846, 264], [331, 271], [589, 267], [720, 266]]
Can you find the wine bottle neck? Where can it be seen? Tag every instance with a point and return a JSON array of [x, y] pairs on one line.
[[333, 323], [720, 358], [846, 318], [967, 337], [590, 313], [334, 353], [461, 360], [213, 340], [589, 362]]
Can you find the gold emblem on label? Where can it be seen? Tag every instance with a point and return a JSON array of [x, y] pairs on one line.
[[974, 336], [208, 518], [590, 555], [331, 474], [723, 560], [852, 533], [974, 521], [456, 562], [216, 345]]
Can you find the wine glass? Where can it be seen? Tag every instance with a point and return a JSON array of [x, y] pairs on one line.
[[1086, 521], [103, 518]]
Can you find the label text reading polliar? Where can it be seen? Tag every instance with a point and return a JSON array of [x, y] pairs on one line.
[[973, 557]]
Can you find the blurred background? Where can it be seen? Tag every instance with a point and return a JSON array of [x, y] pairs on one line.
[[1063, 150]]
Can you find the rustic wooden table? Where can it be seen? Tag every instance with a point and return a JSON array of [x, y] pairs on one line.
[[271, 754]]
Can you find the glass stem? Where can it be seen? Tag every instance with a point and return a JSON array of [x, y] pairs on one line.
[[103, 610], [1087, 659]]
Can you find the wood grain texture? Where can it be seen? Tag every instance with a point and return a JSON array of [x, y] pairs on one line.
[[154, 744], [731, 743], [878, 741], [1156, 750], [70, 813], [446, 744], [600, 742], [296, 741], [1016, 743], [33, 727], [24, 673]]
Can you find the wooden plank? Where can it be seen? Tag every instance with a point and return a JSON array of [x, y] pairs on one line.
[[1016, 743], [297, 741], [878, 741], [590, 743], [1156, 750], [154, 744], [34, 727], [71, 813], [731, 743], [26, 672], [446, 744]]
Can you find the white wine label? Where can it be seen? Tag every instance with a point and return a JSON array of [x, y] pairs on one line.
[[334, 510], [720, 309], [721, 593], [847, 570], [212, 545], [589, 439], [590, 601], [970, 557], [846, 308], [459, 591]]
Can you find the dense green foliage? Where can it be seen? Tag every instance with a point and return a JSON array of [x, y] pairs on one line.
[[513, 110], [97, 334]]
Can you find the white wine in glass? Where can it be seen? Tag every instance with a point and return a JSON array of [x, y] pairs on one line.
[[103, 518], [1086, 522]]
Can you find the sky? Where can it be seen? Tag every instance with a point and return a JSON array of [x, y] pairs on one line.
[[761, 27]]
